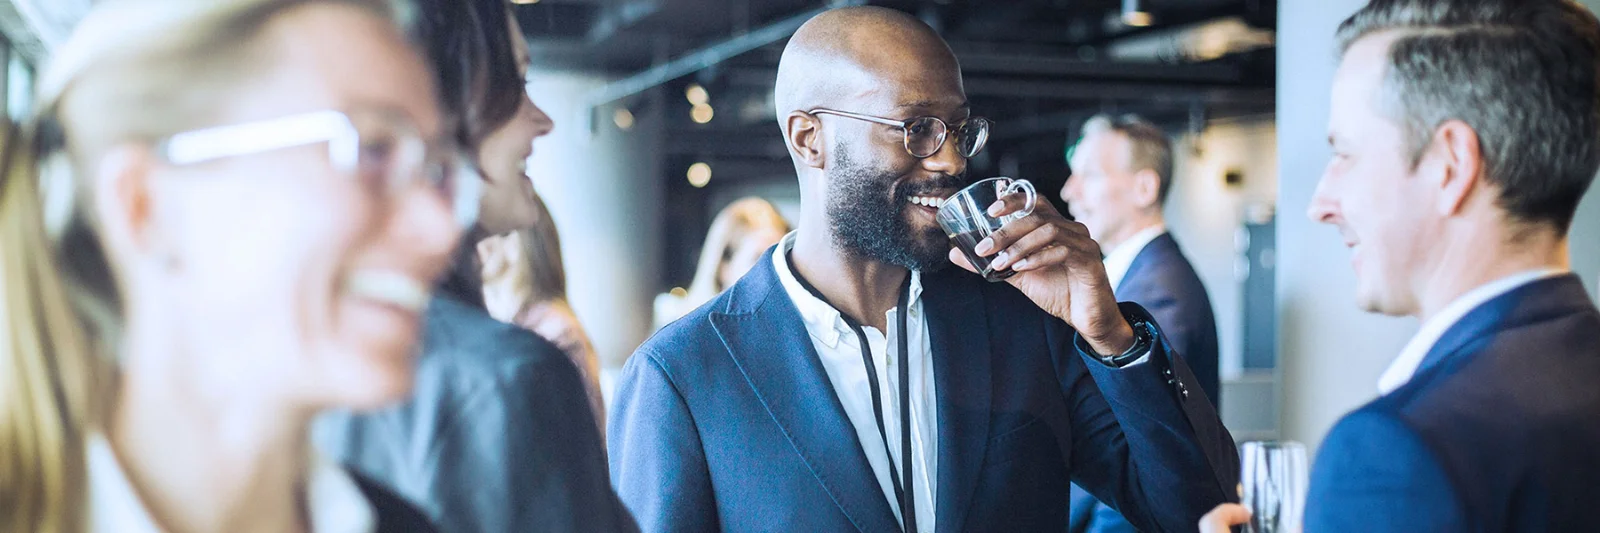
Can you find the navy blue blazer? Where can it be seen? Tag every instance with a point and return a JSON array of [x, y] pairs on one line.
[[498, 435], [1162, 280], [1499, 429], [725, 421]]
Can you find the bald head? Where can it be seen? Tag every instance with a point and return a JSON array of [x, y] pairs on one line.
[[865, 59]]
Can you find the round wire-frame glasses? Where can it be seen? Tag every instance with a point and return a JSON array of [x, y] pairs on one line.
[[924, 136]]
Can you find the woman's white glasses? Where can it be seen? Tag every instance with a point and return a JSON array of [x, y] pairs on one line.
[[381, 148]]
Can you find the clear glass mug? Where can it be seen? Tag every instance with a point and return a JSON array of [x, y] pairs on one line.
[[965, 218], [1273, 485]]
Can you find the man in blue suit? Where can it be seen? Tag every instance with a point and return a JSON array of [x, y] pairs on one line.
[[1464, 135], [1121, 176], [849, 383]]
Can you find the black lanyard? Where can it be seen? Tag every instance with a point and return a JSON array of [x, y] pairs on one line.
[[901, 477]]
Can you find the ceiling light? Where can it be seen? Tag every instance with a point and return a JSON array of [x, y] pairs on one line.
[[697, 95], [524, 1], [623, 118], [701, 113], [699, 174]]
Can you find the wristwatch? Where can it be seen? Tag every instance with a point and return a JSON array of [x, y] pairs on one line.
[[1144, 337]]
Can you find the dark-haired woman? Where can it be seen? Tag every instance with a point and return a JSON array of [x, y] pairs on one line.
[[499, 435]]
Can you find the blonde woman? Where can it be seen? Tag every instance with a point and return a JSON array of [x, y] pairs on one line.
[[245, 203], [524, 283], [738, 236]]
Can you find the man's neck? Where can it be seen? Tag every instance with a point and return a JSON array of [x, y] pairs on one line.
[[1469, 262], [1134, 227], [862, 289]]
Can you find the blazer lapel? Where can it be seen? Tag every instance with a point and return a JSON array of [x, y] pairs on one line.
[[959, 333], [768, 341], [1537, 301]]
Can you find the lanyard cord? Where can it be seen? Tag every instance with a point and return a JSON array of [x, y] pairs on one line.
[[899, 477]]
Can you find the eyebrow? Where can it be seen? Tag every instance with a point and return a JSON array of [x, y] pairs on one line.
[[929, 103]]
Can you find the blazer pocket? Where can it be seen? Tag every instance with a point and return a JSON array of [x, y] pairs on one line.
[[1032, 441], [1024, 472]]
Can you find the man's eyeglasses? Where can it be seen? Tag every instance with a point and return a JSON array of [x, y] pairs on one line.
[[383, 149], [926, 135]]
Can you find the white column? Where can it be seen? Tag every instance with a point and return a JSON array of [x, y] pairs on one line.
[[604, 189]]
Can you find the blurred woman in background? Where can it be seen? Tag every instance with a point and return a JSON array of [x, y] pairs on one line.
[[524, 283], [738, 236], [244, 204], [500, 435]]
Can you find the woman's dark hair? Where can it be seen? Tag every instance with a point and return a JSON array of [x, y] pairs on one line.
[[468, 44]]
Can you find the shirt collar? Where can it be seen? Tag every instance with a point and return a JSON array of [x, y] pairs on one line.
[[334, 502], [1405, 366], [822, 320], [1120, 259]]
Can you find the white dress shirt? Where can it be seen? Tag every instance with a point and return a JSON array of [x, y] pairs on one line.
[[334, 503], [1119, 260], [839, 348], [1405, 366]]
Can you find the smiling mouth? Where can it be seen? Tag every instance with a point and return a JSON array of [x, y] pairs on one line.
[[931, 202], [391, 289]]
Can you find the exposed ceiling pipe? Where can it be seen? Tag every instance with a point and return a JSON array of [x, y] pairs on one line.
[[701, 58]]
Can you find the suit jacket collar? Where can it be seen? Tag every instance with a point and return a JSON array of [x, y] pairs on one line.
[[1149, 257], [959, 332], [766, 338], [1534, 302]]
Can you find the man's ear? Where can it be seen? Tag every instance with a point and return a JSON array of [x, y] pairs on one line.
[[1455, 145], [1147, 188], [803, 133], [124, 203]]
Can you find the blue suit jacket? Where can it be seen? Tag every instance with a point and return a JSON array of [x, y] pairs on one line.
[[725, 420], [1162, 280], [1499, 430], [498, 435]]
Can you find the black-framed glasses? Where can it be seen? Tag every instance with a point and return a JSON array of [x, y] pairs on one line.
[[926, 135], [382, 148]]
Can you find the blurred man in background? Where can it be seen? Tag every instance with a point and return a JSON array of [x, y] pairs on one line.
[[1121, 176]]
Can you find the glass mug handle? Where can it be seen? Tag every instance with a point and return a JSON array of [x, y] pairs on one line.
[[1026, 188]]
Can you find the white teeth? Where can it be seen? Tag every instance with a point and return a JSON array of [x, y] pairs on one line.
[[927, 201], [391, 288]]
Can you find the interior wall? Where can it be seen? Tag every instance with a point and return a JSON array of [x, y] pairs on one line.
[[1332, 353], [603, 188], [1205, 214]]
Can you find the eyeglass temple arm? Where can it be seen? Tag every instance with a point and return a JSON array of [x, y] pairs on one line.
[[239, 139], [858, 116]]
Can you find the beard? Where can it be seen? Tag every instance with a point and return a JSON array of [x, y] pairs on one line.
[[868, 220]]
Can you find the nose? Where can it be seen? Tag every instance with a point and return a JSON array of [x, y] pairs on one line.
[[424, 227], [948, 159], [1324, 206], [543, 124], [1069, 190]]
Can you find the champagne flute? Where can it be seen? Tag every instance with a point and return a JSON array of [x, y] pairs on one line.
[[1274, 485]]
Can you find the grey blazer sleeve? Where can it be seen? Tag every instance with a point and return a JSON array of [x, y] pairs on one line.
[[523, 455]]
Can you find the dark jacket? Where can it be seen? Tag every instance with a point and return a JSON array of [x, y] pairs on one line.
[[1162, 280], [726, 421], [394, 514], [497, 437], [1498, 430]]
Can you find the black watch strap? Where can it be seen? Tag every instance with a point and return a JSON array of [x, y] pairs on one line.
[[1144, 338]]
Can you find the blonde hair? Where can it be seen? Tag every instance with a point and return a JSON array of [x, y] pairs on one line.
[[133, 71], [741, 218]]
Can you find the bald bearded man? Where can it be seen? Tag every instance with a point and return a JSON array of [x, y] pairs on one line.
[[851, 382]]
